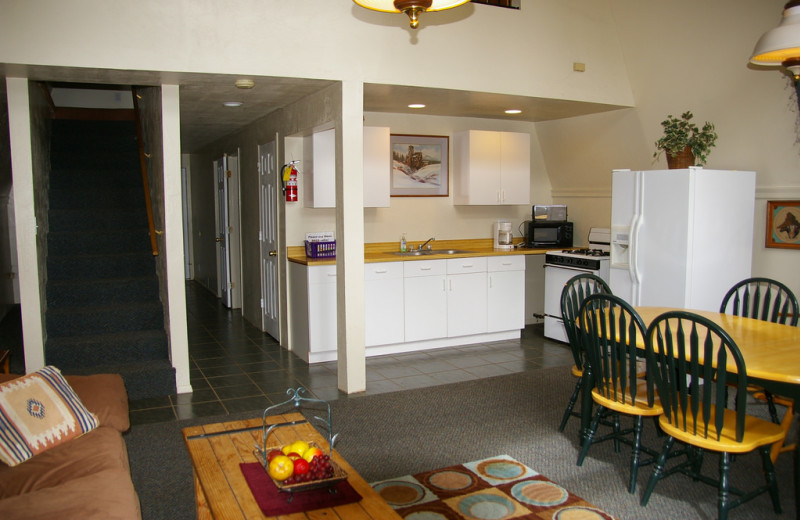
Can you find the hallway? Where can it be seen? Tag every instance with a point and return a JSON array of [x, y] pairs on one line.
[[236, 368]]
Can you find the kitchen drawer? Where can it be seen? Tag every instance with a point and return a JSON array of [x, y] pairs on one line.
[[424, 268], [383, 270], [322, 274], [506, 263], [476, 264]]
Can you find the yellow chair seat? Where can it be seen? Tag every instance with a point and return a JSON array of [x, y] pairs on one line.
[[638, 407], [757, 432]]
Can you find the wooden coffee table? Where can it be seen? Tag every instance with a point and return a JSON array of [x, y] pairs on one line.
[[220, 487]]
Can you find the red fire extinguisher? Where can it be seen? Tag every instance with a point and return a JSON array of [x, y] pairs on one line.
[[290, 181]]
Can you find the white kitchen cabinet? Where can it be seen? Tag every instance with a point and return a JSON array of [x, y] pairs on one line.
[[377, 166], [411, 305], [313, 311], [491, 168], [425, 299], [466, 296], [506, 293], [384, 321], [319, 168]]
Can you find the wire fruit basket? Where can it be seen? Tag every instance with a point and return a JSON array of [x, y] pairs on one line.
[[261, 452]]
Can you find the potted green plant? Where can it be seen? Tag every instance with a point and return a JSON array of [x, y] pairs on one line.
[[684, 143]]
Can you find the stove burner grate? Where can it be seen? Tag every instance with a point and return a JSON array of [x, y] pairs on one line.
[[586, 252]]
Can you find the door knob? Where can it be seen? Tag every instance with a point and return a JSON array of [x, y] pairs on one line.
[[218, 239], [273, 253]]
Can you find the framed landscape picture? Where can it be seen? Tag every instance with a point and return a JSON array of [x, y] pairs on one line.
[[419, 165], [783, 224]]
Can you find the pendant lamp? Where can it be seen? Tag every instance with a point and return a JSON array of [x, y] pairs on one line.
[[780, 47], [412, 8]]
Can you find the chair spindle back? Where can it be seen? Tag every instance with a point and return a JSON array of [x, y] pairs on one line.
[[575, 291], [610, 331], [762, 299], [690, 361]]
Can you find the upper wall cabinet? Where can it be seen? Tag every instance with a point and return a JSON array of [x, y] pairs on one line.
[[319, 160], [492, 168], [377, 166], [319, 166]]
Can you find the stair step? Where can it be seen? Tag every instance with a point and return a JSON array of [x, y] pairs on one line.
[[109, 291], [78, 352], [126, 174], [142, 380], [75, 321], [122, 265], [97, 242], [84, 197], [96, 219]]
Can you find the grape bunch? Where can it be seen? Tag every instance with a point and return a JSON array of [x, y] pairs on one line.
[[319, 468]]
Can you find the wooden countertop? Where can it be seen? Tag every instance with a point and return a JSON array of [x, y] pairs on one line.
[[383, 251]]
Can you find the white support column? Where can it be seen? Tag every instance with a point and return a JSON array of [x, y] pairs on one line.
[[352, 371], [19, 124], [173, 232]]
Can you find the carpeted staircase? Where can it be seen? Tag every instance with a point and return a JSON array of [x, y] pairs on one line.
[[103, 308]]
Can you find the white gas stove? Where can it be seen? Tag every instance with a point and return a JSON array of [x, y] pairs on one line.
[[562, 265]]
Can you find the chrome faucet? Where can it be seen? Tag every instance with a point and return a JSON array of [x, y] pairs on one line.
[[426, 243]]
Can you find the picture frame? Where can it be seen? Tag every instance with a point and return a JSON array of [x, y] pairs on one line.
[[783, 224], [420, 165]]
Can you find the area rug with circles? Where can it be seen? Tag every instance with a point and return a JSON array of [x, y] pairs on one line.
[[495, 488]]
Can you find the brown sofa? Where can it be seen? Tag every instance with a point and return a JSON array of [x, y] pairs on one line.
[[85, 478]]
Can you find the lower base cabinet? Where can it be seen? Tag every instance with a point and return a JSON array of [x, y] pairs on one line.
[[411, 305], [383, 304], [425, 299], [506, 293]]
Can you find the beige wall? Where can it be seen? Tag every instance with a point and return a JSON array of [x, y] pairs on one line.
[[702, 66], [475, 47]]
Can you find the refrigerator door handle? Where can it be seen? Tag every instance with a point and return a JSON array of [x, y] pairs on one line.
[[636, 226]]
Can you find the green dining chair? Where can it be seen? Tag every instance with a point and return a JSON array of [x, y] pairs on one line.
[[767, 300], [575, 291], [692, 392], [611, 331]]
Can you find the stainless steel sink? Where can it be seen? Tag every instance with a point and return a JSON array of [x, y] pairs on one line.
[[428, 252]]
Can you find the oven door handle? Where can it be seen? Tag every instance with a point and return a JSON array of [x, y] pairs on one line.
[[572, 268]]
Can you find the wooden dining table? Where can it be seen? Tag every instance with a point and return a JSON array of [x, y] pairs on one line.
[[771, 352]]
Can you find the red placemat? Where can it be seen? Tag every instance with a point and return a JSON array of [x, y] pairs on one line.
[[273, 503]]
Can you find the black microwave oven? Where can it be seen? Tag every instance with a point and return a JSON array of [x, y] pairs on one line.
[[548, 233]]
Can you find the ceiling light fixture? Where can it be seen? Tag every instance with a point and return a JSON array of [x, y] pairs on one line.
[[780, 46], [244, 83], [232, 103], [412, 8], [416, 105], [513, 111]]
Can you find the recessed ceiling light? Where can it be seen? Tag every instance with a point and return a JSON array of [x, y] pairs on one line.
[[244, 83], [513, 111], [416, 105], [232, 103]]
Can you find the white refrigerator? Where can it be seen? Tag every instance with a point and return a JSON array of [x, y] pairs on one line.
[[680, 238]]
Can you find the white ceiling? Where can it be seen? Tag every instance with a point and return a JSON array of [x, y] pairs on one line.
[[204, 118]]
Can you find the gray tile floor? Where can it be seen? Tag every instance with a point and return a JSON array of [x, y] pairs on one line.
[[237, 368]]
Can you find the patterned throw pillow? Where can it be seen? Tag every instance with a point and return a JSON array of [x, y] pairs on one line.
[[37, 412]]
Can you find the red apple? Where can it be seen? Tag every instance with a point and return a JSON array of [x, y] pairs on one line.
[[301, 467], [272, 454]]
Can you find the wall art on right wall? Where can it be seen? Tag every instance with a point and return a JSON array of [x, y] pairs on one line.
[[783, 224]]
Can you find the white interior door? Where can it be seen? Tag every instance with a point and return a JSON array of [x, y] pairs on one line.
[[187, 229], [234, 231], [223, 232], [268, 172]]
